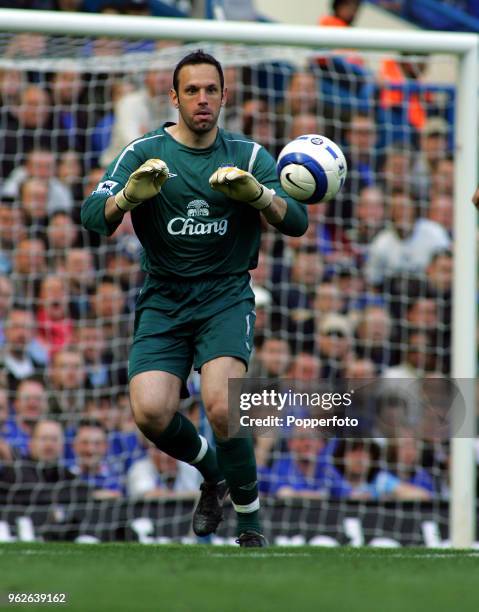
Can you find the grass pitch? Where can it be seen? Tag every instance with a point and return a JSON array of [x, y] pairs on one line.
[[182, 578]]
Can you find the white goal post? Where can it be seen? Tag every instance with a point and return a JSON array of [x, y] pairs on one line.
[[465, 48]]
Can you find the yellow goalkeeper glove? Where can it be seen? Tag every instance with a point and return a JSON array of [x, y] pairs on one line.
[[142, 185], [240, 185]]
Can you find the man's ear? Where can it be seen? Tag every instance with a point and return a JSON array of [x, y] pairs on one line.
[[174, 98], [224, 97]]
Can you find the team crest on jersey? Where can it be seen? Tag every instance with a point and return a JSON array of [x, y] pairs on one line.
[[106, 187], [198, 208]]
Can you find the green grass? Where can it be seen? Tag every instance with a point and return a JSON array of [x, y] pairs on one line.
[[137, 578]]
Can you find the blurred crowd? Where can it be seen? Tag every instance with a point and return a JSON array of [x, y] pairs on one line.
[[365, 294]]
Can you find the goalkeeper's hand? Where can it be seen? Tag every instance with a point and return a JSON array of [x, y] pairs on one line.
[[142, 185], [241, 185]]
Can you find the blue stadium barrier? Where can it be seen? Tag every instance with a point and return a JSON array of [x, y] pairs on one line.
[[436, 15]]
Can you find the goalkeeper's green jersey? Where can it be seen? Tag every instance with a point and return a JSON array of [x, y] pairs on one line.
[[188, 229]]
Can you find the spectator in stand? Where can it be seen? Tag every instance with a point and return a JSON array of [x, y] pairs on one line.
[[80, 275], [70, 113], [357, 473], [301, 97], [272, 358], [439, 276], [91, 341], [12, 230], [333, 343], [419, 356], [41, 477], [343, 14], [158, 475], [27, 45], [11, 84], [305, 123], [27, 126], [263, 306], [30, 405], [107, 306], [441, 211], [33, 193], [297, 297], [140, 111], [124, 447], [257, 122], [359, 368], [123, 265], [70, 173], [91, 461], [407, 245], [367, 221], [360, 139], [62, 236], [442, 177], [40, 163], [102, 370], [54, 325], [423, 314], [404, 459], [328, 299], [372, 337], [6, 301], [67, 385], [434, 146], [29, 267], [408, 107], [22, 356], [6, 451], [301, 471], [305, 367], [396, 170]]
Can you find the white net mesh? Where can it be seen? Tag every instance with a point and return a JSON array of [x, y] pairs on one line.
[[365, 293]]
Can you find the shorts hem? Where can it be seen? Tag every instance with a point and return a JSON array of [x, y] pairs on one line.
[[239, 356]]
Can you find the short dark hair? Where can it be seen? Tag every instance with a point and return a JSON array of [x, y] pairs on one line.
[[193, 59]]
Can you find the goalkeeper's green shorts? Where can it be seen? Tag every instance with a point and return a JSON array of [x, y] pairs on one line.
[[185, 323]]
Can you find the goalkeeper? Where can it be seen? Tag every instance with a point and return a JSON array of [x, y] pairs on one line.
[[196, 195]]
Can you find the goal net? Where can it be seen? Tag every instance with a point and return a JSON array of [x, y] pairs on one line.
[[366, 295]]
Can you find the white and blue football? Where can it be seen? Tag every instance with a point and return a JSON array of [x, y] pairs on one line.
[[312, 168]]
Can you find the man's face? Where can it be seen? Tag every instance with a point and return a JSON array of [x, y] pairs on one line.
[[61, 232], [199, 98], [12, 229], [439, 273], [275, 356], [30, 257], [90, 447], [41, 164], [47, 442], [35, 198], [68, 370], [30, 401], [19, 329]]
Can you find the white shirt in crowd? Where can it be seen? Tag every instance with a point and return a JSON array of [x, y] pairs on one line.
[[389, 254]]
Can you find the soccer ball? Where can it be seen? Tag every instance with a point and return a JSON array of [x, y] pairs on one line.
[[312, 169]]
